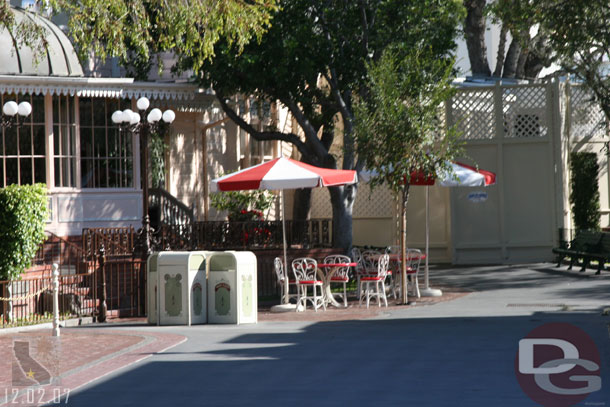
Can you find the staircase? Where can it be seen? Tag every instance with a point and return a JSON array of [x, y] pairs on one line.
[[166, 209]]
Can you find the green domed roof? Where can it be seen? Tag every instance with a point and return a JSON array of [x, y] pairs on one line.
[[60, 59]]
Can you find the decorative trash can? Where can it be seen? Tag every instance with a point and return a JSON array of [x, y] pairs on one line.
[[152, 304], [182, 287], [232, 292]]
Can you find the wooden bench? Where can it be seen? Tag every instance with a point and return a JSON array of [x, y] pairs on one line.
[[587, 245]]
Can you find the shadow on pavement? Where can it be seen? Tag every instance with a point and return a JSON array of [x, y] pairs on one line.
[[389, 362]]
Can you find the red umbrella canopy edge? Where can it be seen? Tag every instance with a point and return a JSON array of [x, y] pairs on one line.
[[282, 173]]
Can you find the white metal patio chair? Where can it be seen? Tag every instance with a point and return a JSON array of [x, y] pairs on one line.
[[305, 271], [414, 257], [340, 274], [374, 284], [281, 276]]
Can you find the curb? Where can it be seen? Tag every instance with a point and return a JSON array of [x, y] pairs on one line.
[[68, 323]]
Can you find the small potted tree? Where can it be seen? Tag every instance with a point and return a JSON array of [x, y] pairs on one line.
[[246, 210]]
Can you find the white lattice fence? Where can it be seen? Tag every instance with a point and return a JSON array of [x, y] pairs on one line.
[[523, 108], [524, 111], [378, 204], [586, 118], [473, 112]]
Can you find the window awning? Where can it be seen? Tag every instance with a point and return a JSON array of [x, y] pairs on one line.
[[98, 87]]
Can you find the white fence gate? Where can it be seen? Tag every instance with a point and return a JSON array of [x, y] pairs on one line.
[[512, 131]]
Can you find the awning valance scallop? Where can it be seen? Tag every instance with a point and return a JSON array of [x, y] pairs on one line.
[[97, 87]]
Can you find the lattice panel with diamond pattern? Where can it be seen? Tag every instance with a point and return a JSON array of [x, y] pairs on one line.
[[473, 112], [586, 119], [379, 204], [525, 112]]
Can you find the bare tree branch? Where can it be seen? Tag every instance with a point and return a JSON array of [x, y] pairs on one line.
[[262, 135]]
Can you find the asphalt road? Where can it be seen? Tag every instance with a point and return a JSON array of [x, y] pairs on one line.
[[456, 353]]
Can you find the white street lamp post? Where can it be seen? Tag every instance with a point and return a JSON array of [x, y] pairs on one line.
[[135, 123]]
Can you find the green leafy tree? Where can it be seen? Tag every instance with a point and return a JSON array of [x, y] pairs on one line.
[[399, 130], [25, 33], [23, 216], [313, 60], [522, 56], [579, 35], [136, 31], [584, 194]]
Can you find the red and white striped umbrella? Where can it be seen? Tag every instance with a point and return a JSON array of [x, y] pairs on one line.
[[279, 174], [460, 175], [282, 173]]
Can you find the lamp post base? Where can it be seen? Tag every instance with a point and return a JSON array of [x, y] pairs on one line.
[[430, 292]]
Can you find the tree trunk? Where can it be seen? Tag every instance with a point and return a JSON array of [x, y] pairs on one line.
[[342, 199], [403, 244], [300, 211], [501, 51], [474, 30], [512, 60], [540, 57], [523, 57]]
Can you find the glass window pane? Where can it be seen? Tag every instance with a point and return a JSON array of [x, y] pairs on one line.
[[38, 109], [126, 145], [113, 176], [10, 138], [68, 172], [86, 143], [67, 146], [73, 140], [113, 146], [102, 175], [71, 110], [40, 170], [55, 110], [56, 139], [25, 141], [85, 106], [125, 176], [57, 172], [100, 143], [99, 112], [11, 171], [39, 140], [26, 170], [63, 109], [86, 168]]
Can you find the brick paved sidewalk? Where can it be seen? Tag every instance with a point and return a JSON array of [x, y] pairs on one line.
[[354, 311], [37, 368]]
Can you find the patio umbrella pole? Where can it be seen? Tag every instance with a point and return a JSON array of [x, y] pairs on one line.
[[427, 291], [286, 282], [285, 305], [403, 246]]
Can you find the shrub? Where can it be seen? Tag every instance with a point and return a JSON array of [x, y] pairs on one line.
[[584, 196], [23, 215]]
